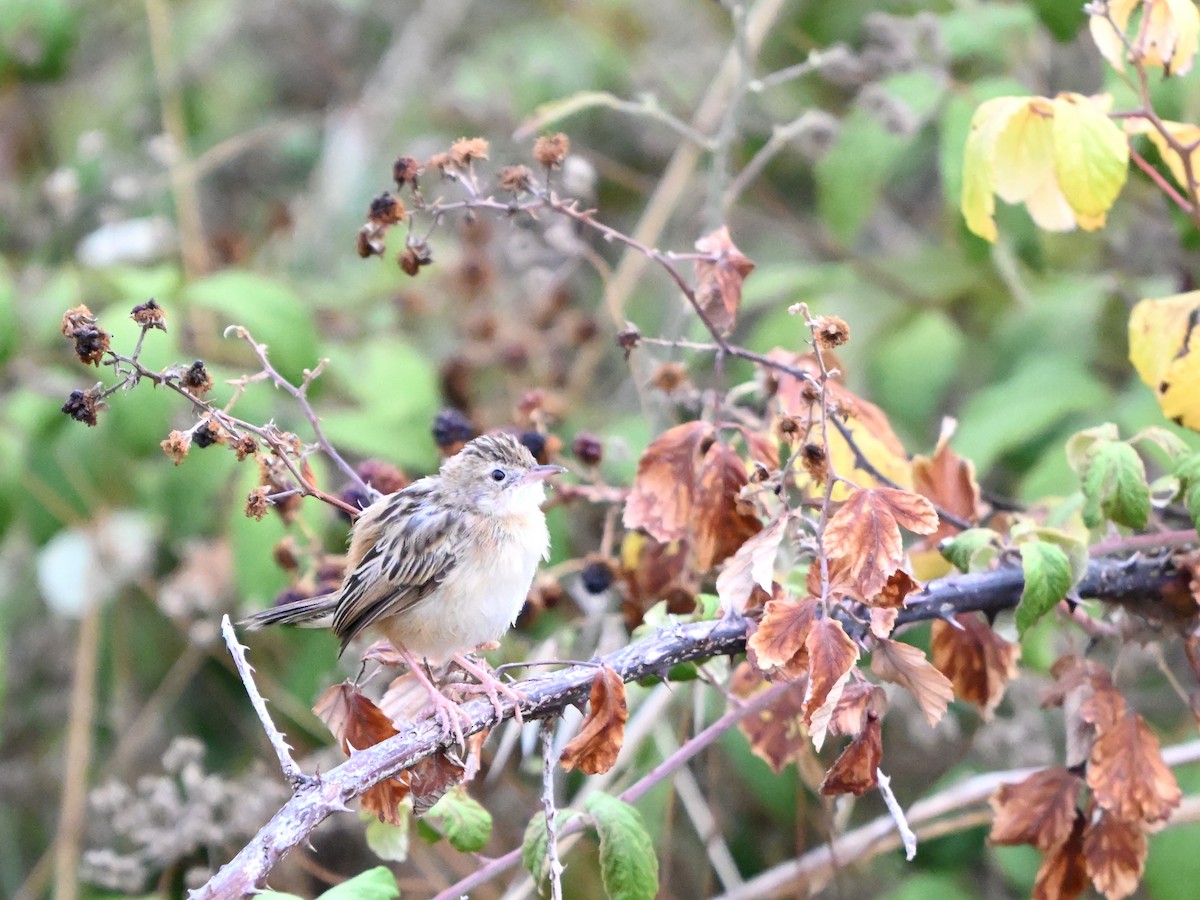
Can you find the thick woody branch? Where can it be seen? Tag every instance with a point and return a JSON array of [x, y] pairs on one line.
[[1136, 581]]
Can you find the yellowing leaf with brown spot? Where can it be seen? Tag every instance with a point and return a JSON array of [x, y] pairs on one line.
[[906, 665], [1164, 347]]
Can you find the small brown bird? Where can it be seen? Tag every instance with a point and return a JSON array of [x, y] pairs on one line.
[[443, 565]]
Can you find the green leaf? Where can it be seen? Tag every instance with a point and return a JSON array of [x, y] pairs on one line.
[[1080, 444], [1115, 487], [387, 841], [1076, 550], [272, 312], [374, 884], [1191, 499], [628, 866], [964, 545], [533, 848], [1168, 442], [466, 824], [1047, 580], [1091, 155]]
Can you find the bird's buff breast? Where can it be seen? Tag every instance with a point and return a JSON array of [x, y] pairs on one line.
[[480, 598]]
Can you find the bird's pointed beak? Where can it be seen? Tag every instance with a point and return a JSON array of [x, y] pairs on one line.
[[540, 473]]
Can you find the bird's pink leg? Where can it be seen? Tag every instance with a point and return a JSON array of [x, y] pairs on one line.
[[490, 685], [448, 712]]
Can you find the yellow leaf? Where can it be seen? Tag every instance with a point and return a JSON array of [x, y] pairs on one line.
[[1024, 166], [1091, 155], [1165, 350], [1166, 35], [979, 156], [1184, 134]]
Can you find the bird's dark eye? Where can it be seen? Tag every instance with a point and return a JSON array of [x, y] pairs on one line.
[[497, 474]]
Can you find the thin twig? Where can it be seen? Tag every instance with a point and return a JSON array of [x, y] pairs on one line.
[[554, 866], [283, 750], [897, 814]]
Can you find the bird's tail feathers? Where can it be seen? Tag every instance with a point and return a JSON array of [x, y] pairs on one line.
[[306, 612]]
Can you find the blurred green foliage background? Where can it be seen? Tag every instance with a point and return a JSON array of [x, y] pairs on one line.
[[219, 156]]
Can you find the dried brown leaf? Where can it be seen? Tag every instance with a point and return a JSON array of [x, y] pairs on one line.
[[899, 585], [594, 750], [856, 771], [883, 622], [722, 522], [1115, 855], [978, 662], [776, 734], [906, 665], [752, 564], [719, 279], [664, 489], [1063, 875], [1127, 774], [949, 481], [1040, 810], [857, 701], [779, 641], [865, 533], [831, 656]]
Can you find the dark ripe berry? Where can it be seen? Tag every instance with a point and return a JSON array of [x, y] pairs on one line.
[[587, 448], [451, 426], [197, 379], [597, 575], [82, 406], [536, 442], [383, 476], [353, 496], [90, 344]]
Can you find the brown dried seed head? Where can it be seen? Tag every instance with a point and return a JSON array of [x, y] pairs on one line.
[[809, 392], [177, 444], [370, 241], [440, 161], [405, 170], [385, 210], [464, 150], [196, 379], [256, 503], [76, 319], [812, 457], [209, 433], [628, 339], [91, 344], [383, 476], [588, 448], [245, 446], [150, 315], [789, 429], [831, 331], [286, 554], [412, 259], [515, 179], [82, 406], [551, 150], [670, 377]]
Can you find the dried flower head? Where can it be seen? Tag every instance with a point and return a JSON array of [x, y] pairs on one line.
[[286, 554], [370, 241], [465, 150], [405, 170], [76, 319], [452, 429], [385, 210], [812, 457], [196, 379], [245, 446], [257, 504], [439, 161], [383, 476], [830, 331], [176, 445], [670, 377], [551, 150], [628, 339], [788, 429], [588, 448], [415, 255], [82, 406], [208, 433], [515, 179], [150, 315]]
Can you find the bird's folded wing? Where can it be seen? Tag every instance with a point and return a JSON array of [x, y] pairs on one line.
[[412, 555]]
